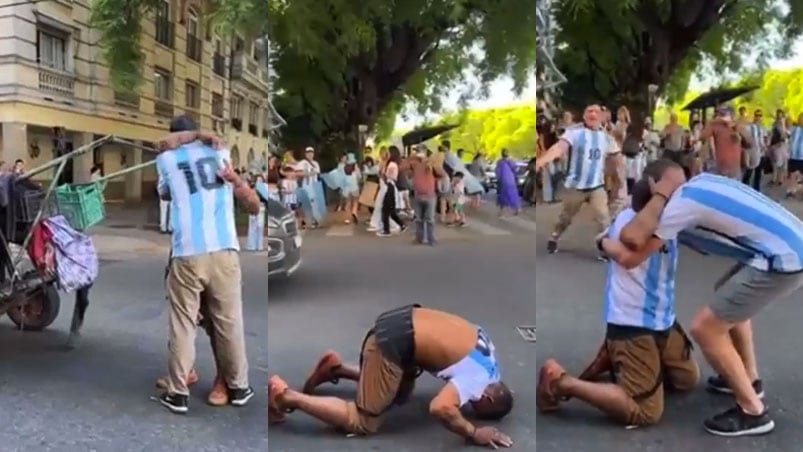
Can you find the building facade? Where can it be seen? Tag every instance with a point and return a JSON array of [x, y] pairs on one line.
[[55, 93]]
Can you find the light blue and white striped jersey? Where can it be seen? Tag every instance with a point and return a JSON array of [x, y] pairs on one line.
[[643, 296], [796, 143], [202, 205], [586, 169], [759, 135], [725, 217]]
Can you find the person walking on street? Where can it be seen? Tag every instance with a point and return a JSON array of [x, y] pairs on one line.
[[201, 186], [389, 202]]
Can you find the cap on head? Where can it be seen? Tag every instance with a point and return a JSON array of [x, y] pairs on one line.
[[183, 124], [309, 149]]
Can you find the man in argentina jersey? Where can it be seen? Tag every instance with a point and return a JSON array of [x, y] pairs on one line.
[[201, 186], [645, 348], [720, 216], [753, 170], [795, 165], [590, 146]]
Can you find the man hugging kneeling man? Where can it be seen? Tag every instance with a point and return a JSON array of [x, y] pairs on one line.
[[645, 348]]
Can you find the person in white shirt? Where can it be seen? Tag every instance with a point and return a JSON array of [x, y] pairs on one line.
[[592, 149], [757, 153], [645, 348], [310, 171], [164, 215], [458, 199]]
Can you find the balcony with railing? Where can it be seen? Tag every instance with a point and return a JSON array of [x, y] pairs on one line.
[[163, 108], [219, 64], [57, 82], [195, 48], [253, 130], [130, 100], [243, 65], [165, 32]]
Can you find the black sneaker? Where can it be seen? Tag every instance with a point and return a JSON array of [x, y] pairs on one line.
[[735, 422], [240, 397], [552, 246], [176, 403], [403, 229], [603, 258], [718, 385]]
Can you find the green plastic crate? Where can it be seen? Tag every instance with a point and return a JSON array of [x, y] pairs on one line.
[[82, 205]]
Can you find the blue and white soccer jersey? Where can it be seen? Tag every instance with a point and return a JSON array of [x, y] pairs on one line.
[[202, 205], [643, 296], [589, 148], [724, 217], [796, 143], [759, 136], [472, 374]]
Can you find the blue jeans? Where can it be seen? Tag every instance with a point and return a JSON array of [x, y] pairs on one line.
[[425, 219]]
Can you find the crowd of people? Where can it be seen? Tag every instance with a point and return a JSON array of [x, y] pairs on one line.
[[387, 190], [700, 188]]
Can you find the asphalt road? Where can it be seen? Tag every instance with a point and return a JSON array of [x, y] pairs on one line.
[[570, 328], [346, 282], [96, 397]]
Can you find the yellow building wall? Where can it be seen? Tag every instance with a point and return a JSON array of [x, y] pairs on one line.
[[93, 108]]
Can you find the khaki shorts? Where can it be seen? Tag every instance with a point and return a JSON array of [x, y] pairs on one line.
[[644, 362], [381, 381]]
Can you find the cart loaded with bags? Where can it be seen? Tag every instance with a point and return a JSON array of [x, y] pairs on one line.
[[28, 293]]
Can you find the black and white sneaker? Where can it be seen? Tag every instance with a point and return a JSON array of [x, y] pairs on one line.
[[603, 258], [735, 422], [241, 396], [552, 246], [718, 385], [176, 403]]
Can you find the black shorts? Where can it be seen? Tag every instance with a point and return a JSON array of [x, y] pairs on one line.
[[795, 166]]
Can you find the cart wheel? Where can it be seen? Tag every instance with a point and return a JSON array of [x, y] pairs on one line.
[[40, 311]]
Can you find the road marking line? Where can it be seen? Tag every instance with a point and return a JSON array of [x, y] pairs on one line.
[[520, 222], [485, 228], [340, 230]]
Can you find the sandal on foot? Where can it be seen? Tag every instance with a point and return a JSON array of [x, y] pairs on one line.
[[323, 372]]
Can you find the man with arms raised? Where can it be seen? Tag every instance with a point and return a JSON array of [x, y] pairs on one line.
[[722, 216], [645, 348], [201, 185], [402, 344], [591, 148]]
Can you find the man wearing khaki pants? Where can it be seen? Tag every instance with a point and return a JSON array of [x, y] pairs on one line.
[[199, 181], [591, 149]]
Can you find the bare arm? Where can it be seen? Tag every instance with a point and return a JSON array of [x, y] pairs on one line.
[[636, 234], [628, 258], [248, 197], [446, 408], [557, 151]]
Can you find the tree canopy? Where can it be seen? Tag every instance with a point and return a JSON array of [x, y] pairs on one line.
[[491, 130], [340, 64], [612, 50], [778, 90]]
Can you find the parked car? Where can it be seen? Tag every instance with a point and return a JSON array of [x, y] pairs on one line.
[[521, 175], [490, 178], [284, 241]]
